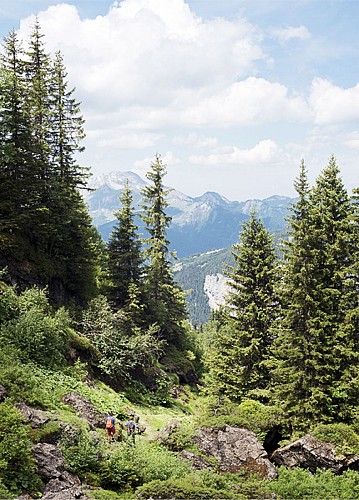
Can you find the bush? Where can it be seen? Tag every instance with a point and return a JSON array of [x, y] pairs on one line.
[[83, 453], [17, 467], [300, 484], [153, 462], [250, 414], [345, 439], [9, 303], [183, 488], [37, 333], [20, 382], [120, 471]]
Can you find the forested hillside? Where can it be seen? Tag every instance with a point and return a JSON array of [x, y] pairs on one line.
[[91, 330]]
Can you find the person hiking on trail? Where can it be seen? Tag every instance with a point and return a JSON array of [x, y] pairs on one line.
[[110, 427], [131, 427]]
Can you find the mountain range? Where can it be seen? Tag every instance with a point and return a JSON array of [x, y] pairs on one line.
[[202, 231], [199, 224]]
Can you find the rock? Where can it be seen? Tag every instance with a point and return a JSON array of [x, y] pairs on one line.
[[312, 454], [66, 487], [166, 435], [235, 449], [198, 463], [36, 418], [86, 409], [59, 484], [3, 393]]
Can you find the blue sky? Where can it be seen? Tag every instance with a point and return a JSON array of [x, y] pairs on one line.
[[232, 93]]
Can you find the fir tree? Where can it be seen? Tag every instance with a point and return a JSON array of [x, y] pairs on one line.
[[242, 346], [16, 163], [125, 257], [314, 347], [166, 304]]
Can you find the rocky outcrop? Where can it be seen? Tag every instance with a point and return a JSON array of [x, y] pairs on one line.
[[86, 409], [36, 418], [235, 449], [197, 462], [309, 453], [59, 484]]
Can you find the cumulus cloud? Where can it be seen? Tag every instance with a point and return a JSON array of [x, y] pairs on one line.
[[263, 152], [251, 101], [152, 75], [290, 32], [332, 104]]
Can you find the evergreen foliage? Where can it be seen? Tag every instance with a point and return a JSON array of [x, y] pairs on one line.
[[242, 345], [46, 234], [316, 349], [165, 300], [125, 259]]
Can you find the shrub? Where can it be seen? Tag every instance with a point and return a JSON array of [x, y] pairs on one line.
[[20, 382], [38, 334], [183, 488], [120, 471], [153, 462], [83, 453], [345, 439], [17, 467], [300, 484], [9, 303], [250, 414]]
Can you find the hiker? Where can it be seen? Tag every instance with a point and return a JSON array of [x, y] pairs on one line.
[[110, 428], [131, 427]]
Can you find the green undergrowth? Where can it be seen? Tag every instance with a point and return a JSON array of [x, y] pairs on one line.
[[342, 436]]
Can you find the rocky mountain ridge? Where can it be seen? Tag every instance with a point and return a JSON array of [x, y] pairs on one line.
[[199, 224]]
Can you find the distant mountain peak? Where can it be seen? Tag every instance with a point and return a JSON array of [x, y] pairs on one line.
[[117, 180], [212, 198]]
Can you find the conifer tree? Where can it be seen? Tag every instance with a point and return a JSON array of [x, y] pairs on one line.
[[242, 345], [46, 234], [315, 340], [124, 256], [15, 145], [166, 304], [67, 130]]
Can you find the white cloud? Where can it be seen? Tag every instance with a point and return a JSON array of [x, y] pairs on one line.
[[252, 101], [352, 140], [332, 104], [197, 141], [263, 152], [290, 32]]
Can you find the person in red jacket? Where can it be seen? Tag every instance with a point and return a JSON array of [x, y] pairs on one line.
[[110, 423]]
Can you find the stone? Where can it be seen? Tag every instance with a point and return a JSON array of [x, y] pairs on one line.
[[312, 454], [85, 409], [59, 483], [36, 418], [197, 462], [235, 449]]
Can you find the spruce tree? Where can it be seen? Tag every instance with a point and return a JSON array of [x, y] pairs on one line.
[[46, 234], [125, 256], [166, 304], [242, 345], [314, 347], [16, 163]]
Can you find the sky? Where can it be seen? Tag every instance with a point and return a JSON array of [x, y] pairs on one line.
[[232, 94]]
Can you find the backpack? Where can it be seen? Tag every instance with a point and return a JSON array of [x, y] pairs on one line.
[[131, 427], [109, 423]]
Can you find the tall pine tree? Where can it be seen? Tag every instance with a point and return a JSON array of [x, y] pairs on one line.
[[125, 258], [314, 347], [241, 347], [166, 304]]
